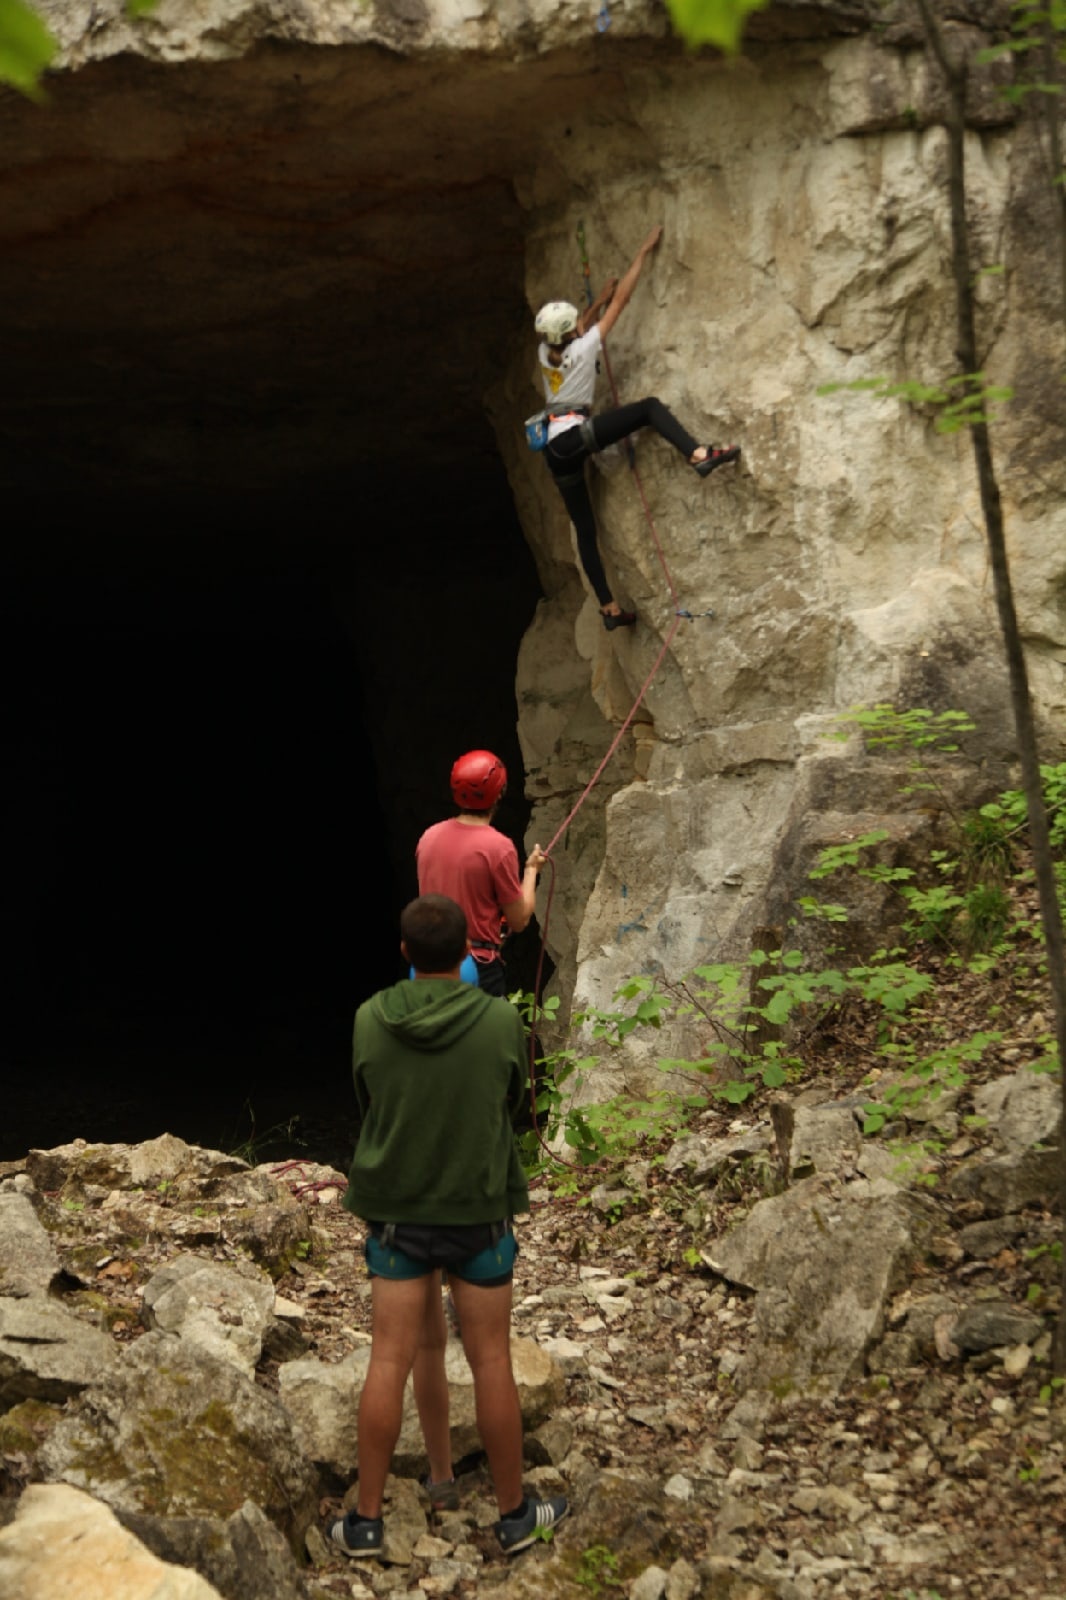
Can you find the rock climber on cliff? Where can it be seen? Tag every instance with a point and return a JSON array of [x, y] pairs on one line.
[[572, 342]]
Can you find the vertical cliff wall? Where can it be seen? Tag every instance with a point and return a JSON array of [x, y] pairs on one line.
[[802, 192]]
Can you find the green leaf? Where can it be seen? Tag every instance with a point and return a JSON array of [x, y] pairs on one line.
[[717, 22], [735, 1092], [26, 47], [778, 1008]]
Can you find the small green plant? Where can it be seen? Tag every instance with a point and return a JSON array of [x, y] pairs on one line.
[[1049, 1390], [279, 1140], [597, 1569], [913, 1162], [925, 1077]]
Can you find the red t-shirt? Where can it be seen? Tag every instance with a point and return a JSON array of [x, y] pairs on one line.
[[476, 866]]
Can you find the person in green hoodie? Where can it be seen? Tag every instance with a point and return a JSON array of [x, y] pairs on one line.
[[439, 1071]]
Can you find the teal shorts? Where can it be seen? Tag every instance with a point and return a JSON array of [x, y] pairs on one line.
[[488, 1268]]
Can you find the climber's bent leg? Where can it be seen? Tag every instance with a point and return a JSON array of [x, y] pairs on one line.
[[609, 427]]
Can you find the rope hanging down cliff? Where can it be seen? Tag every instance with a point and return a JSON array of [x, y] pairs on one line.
[[569, 360]]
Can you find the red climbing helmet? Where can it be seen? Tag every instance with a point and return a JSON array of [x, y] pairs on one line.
[[478, 780]]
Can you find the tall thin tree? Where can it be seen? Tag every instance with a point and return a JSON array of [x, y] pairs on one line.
[[953, 65]]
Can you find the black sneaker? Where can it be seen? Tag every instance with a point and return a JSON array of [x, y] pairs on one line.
[[356, 1535], [443, 1496], [518, 1533]]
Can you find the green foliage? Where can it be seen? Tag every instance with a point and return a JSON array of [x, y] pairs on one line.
[[837, 856], [959, 402], [970, 911], [716, 22], [925, 1077], [26, 47], [752, 1022], [598, 1569], [916, 730], [1012, 812], [261, 1145]]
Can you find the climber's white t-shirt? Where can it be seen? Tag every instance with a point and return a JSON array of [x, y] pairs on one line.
[[573, 383]]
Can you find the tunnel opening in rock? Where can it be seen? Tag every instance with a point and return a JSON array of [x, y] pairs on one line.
[[230, 723], [264, 576]]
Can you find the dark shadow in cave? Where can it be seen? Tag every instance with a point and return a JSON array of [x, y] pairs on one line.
[[231, 717]]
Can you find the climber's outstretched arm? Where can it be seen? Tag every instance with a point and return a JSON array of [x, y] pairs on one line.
[[591, 313], [621, 295]]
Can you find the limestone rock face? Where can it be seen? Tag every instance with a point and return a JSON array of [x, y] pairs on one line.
[[843, 559], [270, 183], [47, 1353], [223, 1309], [141, 1440], [821, 1301], [63, 1542], [28, 1260]]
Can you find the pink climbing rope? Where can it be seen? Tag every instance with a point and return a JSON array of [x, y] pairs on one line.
[[587, 790], [667, 642]]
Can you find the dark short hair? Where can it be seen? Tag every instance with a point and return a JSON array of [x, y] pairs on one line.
[[434, 930]]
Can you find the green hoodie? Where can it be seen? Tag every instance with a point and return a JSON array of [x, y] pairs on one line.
[[440, 1076]]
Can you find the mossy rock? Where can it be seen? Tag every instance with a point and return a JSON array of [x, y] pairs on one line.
[[26, 1426]]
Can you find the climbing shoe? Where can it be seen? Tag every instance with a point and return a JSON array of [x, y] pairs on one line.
[[358, 1536], [621, 619], [443, 1496], [717, 456], [523, 1529]]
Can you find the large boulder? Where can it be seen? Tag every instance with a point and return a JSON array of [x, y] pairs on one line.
[[824, 1260], [224, 1309], [175, 1431], [322, 1399], [47, 1353], [244, 1555], [28, 1260], [64, 1545]]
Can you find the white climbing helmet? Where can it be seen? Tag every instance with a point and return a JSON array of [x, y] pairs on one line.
[[556, 320]]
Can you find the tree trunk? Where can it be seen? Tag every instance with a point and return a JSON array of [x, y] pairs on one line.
[[954, 72]]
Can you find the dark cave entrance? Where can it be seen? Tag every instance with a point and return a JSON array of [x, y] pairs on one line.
[[262, 576], [230, 716]]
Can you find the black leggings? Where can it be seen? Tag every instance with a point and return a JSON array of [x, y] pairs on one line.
[[567, 453]]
